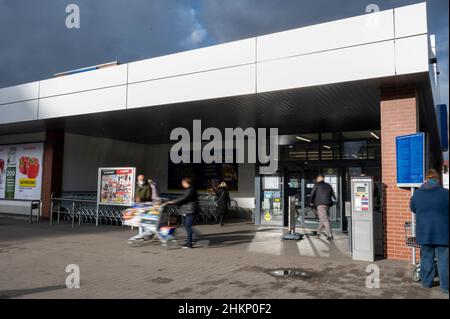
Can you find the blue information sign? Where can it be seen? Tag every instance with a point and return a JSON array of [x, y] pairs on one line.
[[410, 160]]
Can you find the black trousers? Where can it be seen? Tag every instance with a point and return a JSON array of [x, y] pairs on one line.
[[222, 211], [188, 221]]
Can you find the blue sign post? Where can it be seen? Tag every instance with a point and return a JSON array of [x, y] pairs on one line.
[[411, 168], [410, 160]]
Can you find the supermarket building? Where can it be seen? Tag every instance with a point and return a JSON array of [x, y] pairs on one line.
[[338, 92]]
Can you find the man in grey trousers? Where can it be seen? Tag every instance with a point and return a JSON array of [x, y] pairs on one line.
[[322, 196]]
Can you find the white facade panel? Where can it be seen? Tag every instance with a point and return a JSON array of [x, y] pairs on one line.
[[103, 100], [18, 112], [198, 86], [327, 36], [17, 93], [411, 54], [350, 64], [97, 79], [411, 20], [210, 58]]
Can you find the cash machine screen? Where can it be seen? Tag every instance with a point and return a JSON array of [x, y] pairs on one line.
[[361, 197]]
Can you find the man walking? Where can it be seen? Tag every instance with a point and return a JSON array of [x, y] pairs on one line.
[[189, 208], [322, 196]]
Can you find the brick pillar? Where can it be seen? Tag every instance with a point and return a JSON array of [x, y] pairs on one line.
[[52, 168], [399, 116]]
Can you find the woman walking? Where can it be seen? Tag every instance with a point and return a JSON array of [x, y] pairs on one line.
[[223, 201]]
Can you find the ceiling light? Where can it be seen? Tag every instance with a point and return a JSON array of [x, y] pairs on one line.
[[327, 147], [303, 139], [375, 135]]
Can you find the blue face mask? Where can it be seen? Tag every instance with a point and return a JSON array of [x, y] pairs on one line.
[[433, 182]]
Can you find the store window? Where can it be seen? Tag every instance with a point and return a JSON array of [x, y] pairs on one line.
[[304, 147], [330, 146], [361, 145]]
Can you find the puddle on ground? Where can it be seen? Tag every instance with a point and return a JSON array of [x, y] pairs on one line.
[[289, 273]]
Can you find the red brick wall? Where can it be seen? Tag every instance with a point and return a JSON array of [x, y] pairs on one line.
[[398, 117], [52, 168]]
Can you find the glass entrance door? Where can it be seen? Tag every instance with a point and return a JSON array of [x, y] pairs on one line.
[[272, 208], [333, 178], [299, 183], [308, 217]]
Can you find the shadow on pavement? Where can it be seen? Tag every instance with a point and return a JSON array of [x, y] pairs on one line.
[[7, 294]]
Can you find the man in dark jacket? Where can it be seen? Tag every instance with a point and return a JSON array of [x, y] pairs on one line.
[[430, 204], [189, 207], [322, 196], [143, 190]]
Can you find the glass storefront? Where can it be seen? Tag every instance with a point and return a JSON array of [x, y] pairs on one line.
[[338, 156], [272, 206], [300, 147]]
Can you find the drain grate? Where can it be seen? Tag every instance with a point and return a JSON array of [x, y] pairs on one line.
[[289, 273]]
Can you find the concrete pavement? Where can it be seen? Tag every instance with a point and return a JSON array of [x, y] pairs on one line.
[[237, 263]]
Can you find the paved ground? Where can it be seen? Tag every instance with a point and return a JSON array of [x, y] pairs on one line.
[[236, 264]]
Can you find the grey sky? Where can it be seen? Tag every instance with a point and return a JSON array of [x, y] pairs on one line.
[[34, 42]]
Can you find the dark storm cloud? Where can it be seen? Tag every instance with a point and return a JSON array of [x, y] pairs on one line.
[[34, 42]]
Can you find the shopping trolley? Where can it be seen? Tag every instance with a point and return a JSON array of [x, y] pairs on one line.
[[147, 217], [410, 240]]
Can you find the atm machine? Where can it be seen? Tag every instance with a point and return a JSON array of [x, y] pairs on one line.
[[362, 217]]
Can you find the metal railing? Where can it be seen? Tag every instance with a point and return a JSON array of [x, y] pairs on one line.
[[73, 205], [81, 207], [34, 204]]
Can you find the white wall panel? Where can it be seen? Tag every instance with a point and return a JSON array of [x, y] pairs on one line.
[[96, 79], [83, 155], [411, 20], [350, 64], [103, 100], [18, 112], [209, 58], [198, 86], [327, 36], [411, 54], [19, 93]]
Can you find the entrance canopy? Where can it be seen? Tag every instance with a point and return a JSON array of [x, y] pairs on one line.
[[347, 106], [321, 77]]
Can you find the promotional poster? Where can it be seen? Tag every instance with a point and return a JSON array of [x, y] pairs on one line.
[[21, 171], [116, 186]]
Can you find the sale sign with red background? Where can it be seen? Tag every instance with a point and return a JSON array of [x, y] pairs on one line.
[[21, 171]]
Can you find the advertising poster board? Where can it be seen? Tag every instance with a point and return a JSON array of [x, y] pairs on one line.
[[116, 186], [21, 171], [410, 155]]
